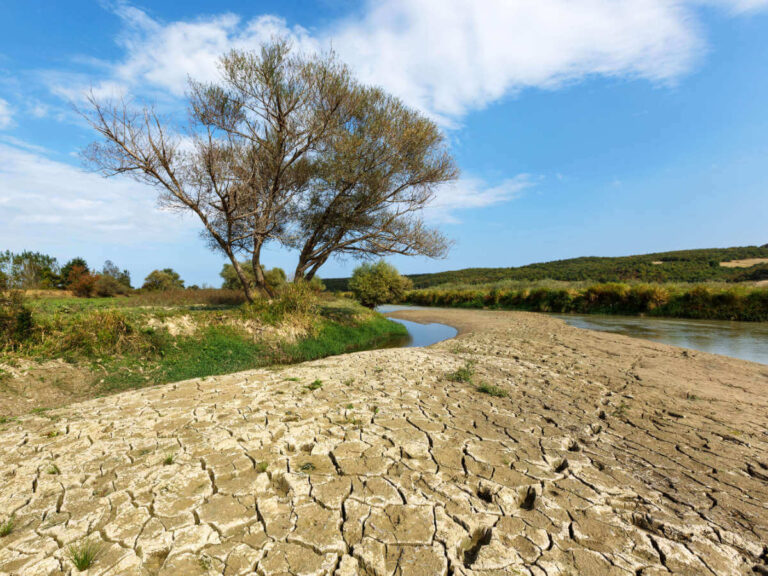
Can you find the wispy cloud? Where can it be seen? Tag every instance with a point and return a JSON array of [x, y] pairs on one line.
[[446, 57], [472, 192], [6, 114], [47, 201]]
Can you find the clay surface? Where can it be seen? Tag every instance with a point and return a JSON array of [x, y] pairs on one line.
[[607, 455]]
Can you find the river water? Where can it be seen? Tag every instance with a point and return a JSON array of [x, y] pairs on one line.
[[420, 334], [745, 340]]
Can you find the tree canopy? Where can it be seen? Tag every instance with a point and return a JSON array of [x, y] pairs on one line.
[[165, 279], [289, 149], [378, 283]]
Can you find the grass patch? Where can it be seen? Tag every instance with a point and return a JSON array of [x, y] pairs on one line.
[[53, 470], [261, 467], [463, 374], [84, 554], [7, 527], [307, 467], [125, 345], [492, 390], [316, 385], [168, 460]]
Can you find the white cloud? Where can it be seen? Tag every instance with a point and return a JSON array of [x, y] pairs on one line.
[[473, 192], [6, 114], [49, 201], [446, 57]]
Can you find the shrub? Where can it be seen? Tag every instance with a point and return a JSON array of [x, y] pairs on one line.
[[296, 299], [108, 286], [16, 321], [84, 285], [165, 279], [105, 333], [647, 297], [379, 283], [316, 284]]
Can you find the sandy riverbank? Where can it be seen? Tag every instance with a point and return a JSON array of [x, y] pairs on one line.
[[609, 455]]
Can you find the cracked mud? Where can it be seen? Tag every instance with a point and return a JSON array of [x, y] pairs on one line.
[[608, 455]]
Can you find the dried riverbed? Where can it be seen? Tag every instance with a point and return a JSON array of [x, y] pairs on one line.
[[604, 455]]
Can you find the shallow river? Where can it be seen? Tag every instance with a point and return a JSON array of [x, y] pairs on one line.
[[745, 340], [420, 334]]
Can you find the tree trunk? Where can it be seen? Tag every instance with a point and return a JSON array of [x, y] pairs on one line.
[[250, 293], [258, 272]]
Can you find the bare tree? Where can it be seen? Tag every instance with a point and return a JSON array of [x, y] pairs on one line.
[[245, 157], [373, 180]]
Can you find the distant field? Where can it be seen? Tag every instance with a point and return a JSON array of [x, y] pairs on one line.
[[746, 263], [704, 265]]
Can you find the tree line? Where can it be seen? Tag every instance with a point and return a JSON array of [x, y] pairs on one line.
[[30, 270], [287, 149], [676, 266]]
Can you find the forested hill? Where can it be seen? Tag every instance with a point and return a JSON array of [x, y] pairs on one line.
[[678, 266]]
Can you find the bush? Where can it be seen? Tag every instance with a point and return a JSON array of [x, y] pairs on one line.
[[101, 333], [16, 321], [379, 283], [165, 279], [83, 285], [108, 286]]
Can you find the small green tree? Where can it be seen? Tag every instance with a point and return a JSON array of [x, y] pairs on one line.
[[122, 276], [378, 283], [165, 279]]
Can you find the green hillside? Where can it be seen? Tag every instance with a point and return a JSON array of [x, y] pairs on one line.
[[677, 266]]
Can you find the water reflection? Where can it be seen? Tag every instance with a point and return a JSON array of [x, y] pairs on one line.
[[420, 334], [745, 340]]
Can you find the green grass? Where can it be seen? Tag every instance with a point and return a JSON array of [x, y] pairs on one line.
[[84, 554], [123, 352], [261, 467], [463, 374], [53, 470], [316, 385], [492, 390], [168, 460], [307, 467], [7, 526]]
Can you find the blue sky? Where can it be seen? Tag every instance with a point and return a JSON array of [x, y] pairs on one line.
[[582, 127]]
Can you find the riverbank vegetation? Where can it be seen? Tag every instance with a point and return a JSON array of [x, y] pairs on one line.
[[375, 283], [739, 264], [54, 347], [708, 300]]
